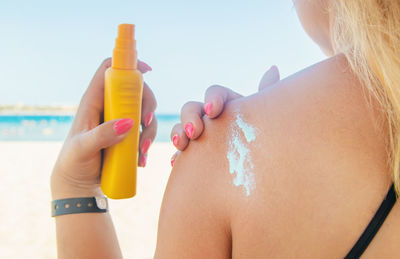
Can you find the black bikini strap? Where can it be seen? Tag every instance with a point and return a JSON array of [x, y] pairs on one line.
[[373, 226]]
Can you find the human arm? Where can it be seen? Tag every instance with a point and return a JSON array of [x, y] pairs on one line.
[[77, 170], [194, 221], [195, 214]]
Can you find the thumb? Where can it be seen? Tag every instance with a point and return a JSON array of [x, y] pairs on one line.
[[104, 135], [269, 78]]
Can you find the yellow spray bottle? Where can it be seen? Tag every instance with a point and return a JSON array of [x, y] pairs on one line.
[[122, 99]]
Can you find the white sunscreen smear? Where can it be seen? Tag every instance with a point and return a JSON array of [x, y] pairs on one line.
[[248, 130], [238, 155]]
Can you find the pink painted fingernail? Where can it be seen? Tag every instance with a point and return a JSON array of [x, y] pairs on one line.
[[145, 146], [189, 130], [149, 118], [175, 140], [122, 126], [208, 108], [147, 67], [143, 160], [172, 162]]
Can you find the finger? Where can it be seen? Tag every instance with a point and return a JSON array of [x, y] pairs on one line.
[[91, 106], [103, 136], [146, 139], [191, 119], [94, 95], [92, 103], [143, 67], [215, 99], [179, 137], [174, 157], [269, 78], [149, 105]]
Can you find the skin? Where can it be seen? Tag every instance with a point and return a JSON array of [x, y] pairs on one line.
[[324, 182], [314, 16], [320, 172], [319, 164], [76, 172]]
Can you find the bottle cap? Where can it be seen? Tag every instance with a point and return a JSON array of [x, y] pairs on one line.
[[124, 54]]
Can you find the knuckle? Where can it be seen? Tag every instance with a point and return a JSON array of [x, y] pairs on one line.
[[76, 142], [187, 105], [154, 127], [98, 135], [151, 129], [213, 88], [175, 130], [176, 127], [149, 97]]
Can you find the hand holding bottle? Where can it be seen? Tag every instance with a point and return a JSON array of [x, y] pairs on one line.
[[77, 170]]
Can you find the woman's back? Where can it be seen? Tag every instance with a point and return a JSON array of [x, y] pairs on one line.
[[304, 184]]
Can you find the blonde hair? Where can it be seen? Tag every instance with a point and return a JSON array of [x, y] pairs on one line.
[[367, 32]]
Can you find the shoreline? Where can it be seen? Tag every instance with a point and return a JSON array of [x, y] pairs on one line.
[[22, 109], [50, 110]]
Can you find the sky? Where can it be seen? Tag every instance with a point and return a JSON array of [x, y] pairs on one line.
[[49, 50]]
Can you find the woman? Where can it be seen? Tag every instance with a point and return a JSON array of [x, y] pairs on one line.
[[296, 170]]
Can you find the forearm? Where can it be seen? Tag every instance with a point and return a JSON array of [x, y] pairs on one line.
[[84, 235]]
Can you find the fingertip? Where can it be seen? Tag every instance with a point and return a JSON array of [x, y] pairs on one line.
[[149, 68], [173, 158], [148, 119], [175, 140], [145, 146], [182, 142], [208, 108], [181, 147], [144, 67], [122, 126], [178, 137], [189, 130], [212, 111], [143, 160], [217, 107]]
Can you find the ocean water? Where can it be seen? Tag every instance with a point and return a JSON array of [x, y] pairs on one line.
[[56, 127]]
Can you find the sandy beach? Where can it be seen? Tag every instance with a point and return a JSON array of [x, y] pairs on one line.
[[28, 231]]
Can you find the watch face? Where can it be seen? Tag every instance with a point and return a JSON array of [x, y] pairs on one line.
[[101, 202]]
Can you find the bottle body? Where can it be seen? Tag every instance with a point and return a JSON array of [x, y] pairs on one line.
[[122, 99]]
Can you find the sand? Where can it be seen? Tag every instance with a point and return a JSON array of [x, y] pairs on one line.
[[28, 231]]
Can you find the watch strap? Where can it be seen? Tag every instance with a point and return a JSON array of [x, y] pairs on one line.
[[79, 205]]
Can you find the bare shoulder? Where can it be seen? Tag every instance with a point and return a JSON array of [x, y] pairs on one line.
[[295, 171], [194, 216]]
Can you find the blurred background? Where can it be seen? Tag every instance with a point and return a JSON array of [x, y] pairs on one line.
[[50, 50]]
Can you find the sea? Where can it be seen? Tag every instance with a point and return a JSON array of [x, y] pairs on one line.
[[56, 127]]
